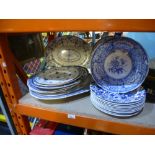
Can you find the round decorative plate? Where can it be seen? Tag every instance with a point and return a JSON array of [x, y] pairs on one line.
[[56, 76], [102, 41], [119, 65], [68, 51]]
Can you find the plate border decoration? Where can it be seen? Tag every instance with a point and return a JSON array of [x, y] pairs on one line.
[[138, 73]]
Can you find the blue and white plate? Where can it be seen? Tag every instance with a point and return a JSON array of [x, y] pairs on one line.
[[54, 97], [83, 83], [56, 76], [116, 107], [31, 84], [119, 65], [124, 98], [122, 115]]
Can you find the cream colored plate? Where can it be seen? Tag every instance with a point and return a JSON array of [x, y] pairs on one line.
[[68, 51]]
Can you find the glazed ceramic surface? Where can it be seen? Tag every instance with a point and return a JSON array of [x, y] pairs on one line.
[[66, 51], [51, 97], [68, 89], [116, 107], [57, 76], [119, 65], [124, 98], [121, 115]]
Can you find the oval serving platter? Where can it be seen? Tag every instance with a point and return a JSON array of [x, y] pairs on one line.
[[68, 51]]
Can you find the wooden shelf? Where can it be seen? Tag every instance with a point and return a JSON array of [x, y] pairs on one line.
[[87, 116], [31, 25]]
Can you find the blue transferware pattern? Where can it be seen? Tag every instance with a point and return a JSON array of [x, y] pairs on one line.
[[122, 115], [51, 97], [125, 98], [117, 104], [116, 107], [32, 85], [82, 73], [58, 75], [83, 83], [119, 65], [113, 110]]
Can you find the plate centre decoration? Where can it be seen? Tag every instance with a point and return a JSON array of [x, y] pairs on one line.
[[118, 64], [69, 55]]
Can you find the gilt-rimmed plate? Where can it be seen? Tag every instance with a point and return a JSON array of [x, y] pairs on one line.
[[119, 65], [68, 51]]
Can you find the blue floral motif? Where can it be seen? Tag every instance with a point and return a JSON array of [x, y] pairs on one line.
[[134, 79], [117, 65], [124, 98]]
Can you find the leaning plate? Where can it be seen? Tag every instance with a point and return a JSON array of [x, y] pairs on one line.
[[119, 65], [68, 51]]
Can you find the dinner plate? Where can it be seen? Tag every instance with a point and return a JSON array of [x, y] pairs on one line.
[[117, 104], [31, 84], [112, 110], [125, 98], [119, 65], [122, 115], [68, 51], [81, 85], [116, 107]]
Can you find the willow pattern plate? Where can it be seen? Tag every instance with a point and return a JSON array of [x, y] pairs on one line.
[[68, 51], [119, 65]]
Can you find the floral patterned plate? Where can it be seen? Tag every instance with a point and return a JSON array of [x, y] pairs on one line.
[[114, 112], [124, 98], [119, 65], [68, 51]]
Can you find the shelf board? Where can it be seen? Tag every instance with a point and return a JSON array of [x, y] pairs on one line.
[[87, 116], [49, 25]]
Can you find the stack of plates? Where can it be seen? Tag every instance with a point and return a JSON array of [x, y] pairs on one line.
[[59, 83], [116, 104], [119, 66]]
